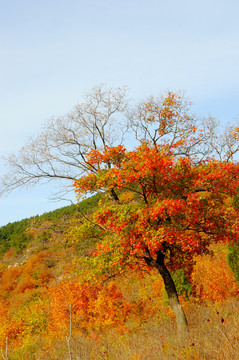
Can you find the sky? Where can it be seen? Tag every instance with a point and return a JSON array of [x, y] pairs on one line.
[[52, 51]]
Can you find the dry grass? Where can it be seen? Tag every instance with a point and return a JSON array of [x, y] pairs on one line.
[[213, 335]]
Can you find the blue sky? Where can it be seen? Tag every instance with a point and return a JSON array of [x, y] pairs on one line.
[[52, 51]]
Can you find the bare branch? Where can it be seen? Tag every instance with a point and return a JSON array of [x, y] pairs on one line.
[[60, 151]]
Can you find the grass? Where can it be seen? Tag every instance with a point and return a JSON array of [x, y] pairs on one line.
[[213, 335]]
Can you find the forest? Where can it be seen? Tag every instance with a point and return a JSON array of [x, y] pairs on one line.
[[145, 265]]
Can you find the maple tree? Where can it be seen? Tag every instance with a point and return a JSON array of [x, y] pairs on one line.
[[181, 198], [177, 211]]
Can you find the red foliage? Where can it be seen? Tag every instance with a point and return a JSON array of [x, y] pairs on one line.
[[180, 209], [88, 306]]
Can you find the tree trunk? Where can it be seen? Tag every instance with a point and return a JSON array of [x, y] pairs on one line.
[[182, 324]]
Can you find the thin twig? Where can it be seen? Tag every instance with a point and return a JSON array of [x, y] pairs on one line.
[[6, 356], [68, 338], [226, 337]]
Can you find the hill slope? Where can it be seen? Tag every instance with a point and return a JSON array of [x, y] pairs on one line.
[[45, 312]]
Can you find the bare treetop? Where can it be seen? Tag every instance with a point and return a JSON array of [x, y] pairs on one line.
[[60, 151]]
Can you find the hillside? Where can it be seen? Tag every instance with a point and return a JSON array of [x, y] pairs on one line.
[[45, 312]]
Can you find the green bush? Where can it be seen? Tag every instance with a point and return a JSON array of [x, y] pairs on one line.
[[13, 235], [233, 260]]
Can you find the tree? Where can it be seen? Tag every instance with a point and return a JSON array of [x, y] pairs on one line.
[[176, 212], [180, 176]]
